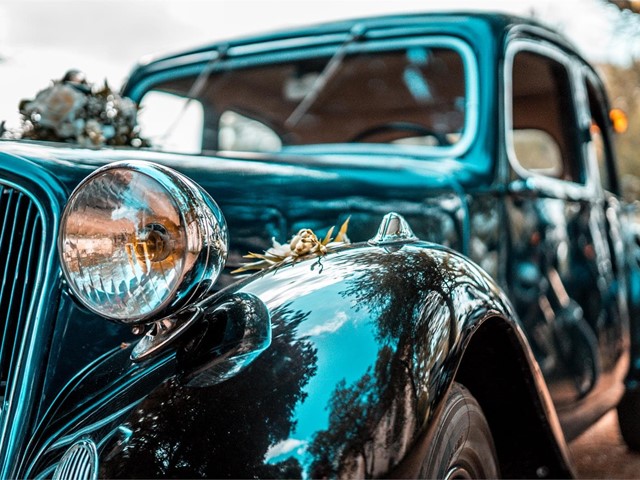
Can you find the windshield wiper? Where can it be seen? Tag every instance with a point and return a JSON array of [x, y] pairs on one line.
[[357, 33], [196, 88]]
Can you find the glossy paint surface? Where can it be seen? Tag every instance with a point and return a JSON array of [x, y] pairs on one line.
[[342, 381], [365, 343]]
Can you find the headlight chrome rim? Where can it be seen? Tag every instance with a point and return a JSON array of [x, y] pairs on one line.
[[206, 239]]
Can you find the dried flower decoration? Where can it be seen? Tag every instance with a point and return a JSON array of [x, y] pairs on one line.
[[304, 244], [74, 110]]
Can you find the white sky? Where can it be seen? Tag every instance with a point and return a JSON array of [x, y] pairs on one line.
[[40, 40]]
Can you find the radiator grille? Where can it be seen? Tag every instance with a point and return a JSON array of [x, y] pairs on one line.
[[21, 236], [79, 463]]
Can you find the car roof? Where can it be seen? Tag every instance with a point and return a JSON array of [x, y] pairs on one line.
[[500, 23]]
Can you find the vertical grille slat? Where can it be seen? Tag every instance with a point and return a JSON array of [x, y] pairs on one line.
[[20, 291], [34, 234], [5, 199], [74, 464], [78, 463], [18, 287], [7, 240], [9, 279], [6, 205], [20, 251]]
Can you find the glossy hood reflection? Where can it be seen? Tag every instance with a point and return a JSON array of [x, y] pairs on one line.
[[352, 373]]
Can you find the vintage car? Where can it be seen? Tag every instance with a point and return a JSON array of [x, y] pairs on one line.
[[479, 320]]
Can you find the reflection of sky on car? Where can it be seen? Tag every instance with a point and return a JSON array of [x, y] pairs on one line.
[[337, 334], [106, 38]]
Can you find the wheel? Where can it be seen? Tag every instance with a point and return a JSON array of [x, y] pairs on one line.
[[629, 418], [462, 446]]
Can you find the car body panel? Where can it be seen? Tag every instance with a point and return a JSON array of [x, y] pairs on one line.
[[365, 342], [311, 404]]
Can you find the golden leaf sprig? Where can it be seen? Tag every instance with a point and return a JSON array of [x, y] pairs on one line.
[[304, 244]]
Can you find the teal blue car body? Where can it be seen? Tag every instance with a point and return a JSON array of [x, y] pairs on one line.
[[355, 351]]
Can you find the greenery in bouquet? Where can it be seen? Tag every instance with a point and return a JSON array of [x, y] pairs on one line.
[[76, 111]]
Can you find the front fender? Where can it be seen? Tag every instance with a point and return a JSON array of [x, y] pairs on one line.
[[365, 344]]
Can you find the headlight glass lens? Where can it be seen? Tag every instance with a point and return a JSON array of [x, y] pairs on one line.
[[129, 238]]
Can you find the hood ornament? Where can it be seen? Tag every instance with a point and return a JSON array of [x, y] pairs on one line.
[[393, 229]]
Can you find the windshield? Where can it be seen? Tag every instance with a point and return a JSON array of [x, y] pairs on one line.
[[417, 95]]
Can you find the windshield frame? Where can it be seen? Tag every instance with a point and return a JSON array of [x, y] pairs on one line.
[[243, 57]]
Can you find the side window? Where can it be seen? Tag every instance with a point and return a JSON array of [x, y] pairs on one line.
[[240, 133], [537, 151], [170, 123], [545, 132], [600, 141]]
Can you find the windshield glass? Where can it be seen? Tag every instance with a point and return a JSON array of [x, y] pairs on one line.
[[417, 95]]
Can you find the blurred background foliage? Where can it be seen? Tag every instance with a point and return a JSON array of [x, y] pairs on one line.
[[623, 85]]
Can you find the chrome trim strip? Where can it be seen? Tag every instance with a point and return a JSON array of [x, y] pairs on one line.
[[56, 440], [66, 440], [557, 54]]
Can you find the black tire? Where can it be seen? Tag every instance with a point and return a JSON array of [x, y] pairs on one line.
[[629, 418], [462, 446]]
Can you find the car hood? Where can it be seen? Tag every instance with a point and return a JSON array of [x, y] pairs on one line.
[[273, 196], [70, 163]]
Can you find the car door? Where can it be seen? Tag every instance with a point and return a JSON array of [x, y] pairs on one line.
[[560, 268], [613, 324]]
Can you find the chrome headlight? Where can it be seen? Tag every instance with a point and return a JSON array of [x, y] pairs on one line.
[[138, 241]]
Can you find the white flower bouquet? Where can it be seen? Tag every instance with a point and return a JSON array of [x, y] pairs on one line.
[[73, 110]]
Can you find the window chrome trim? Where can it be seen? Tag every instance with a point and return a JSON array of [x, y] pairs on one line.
[[461, 47], [552, 52]]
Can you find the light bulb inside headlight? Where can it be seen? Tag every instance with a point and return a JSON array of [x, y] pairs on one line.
[[138, 241]]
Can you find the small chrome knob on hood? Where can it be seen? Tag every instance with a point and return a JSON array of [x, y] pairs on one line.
[[393, 229]]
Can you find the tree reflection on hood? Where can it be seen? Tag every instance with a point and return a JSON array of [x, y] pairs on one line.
[[373, 421], [225, 430]]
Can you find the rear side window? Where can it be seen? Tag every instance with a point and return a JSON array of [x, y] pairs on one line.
[[600, 140], [545, 130], [538, 151]]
